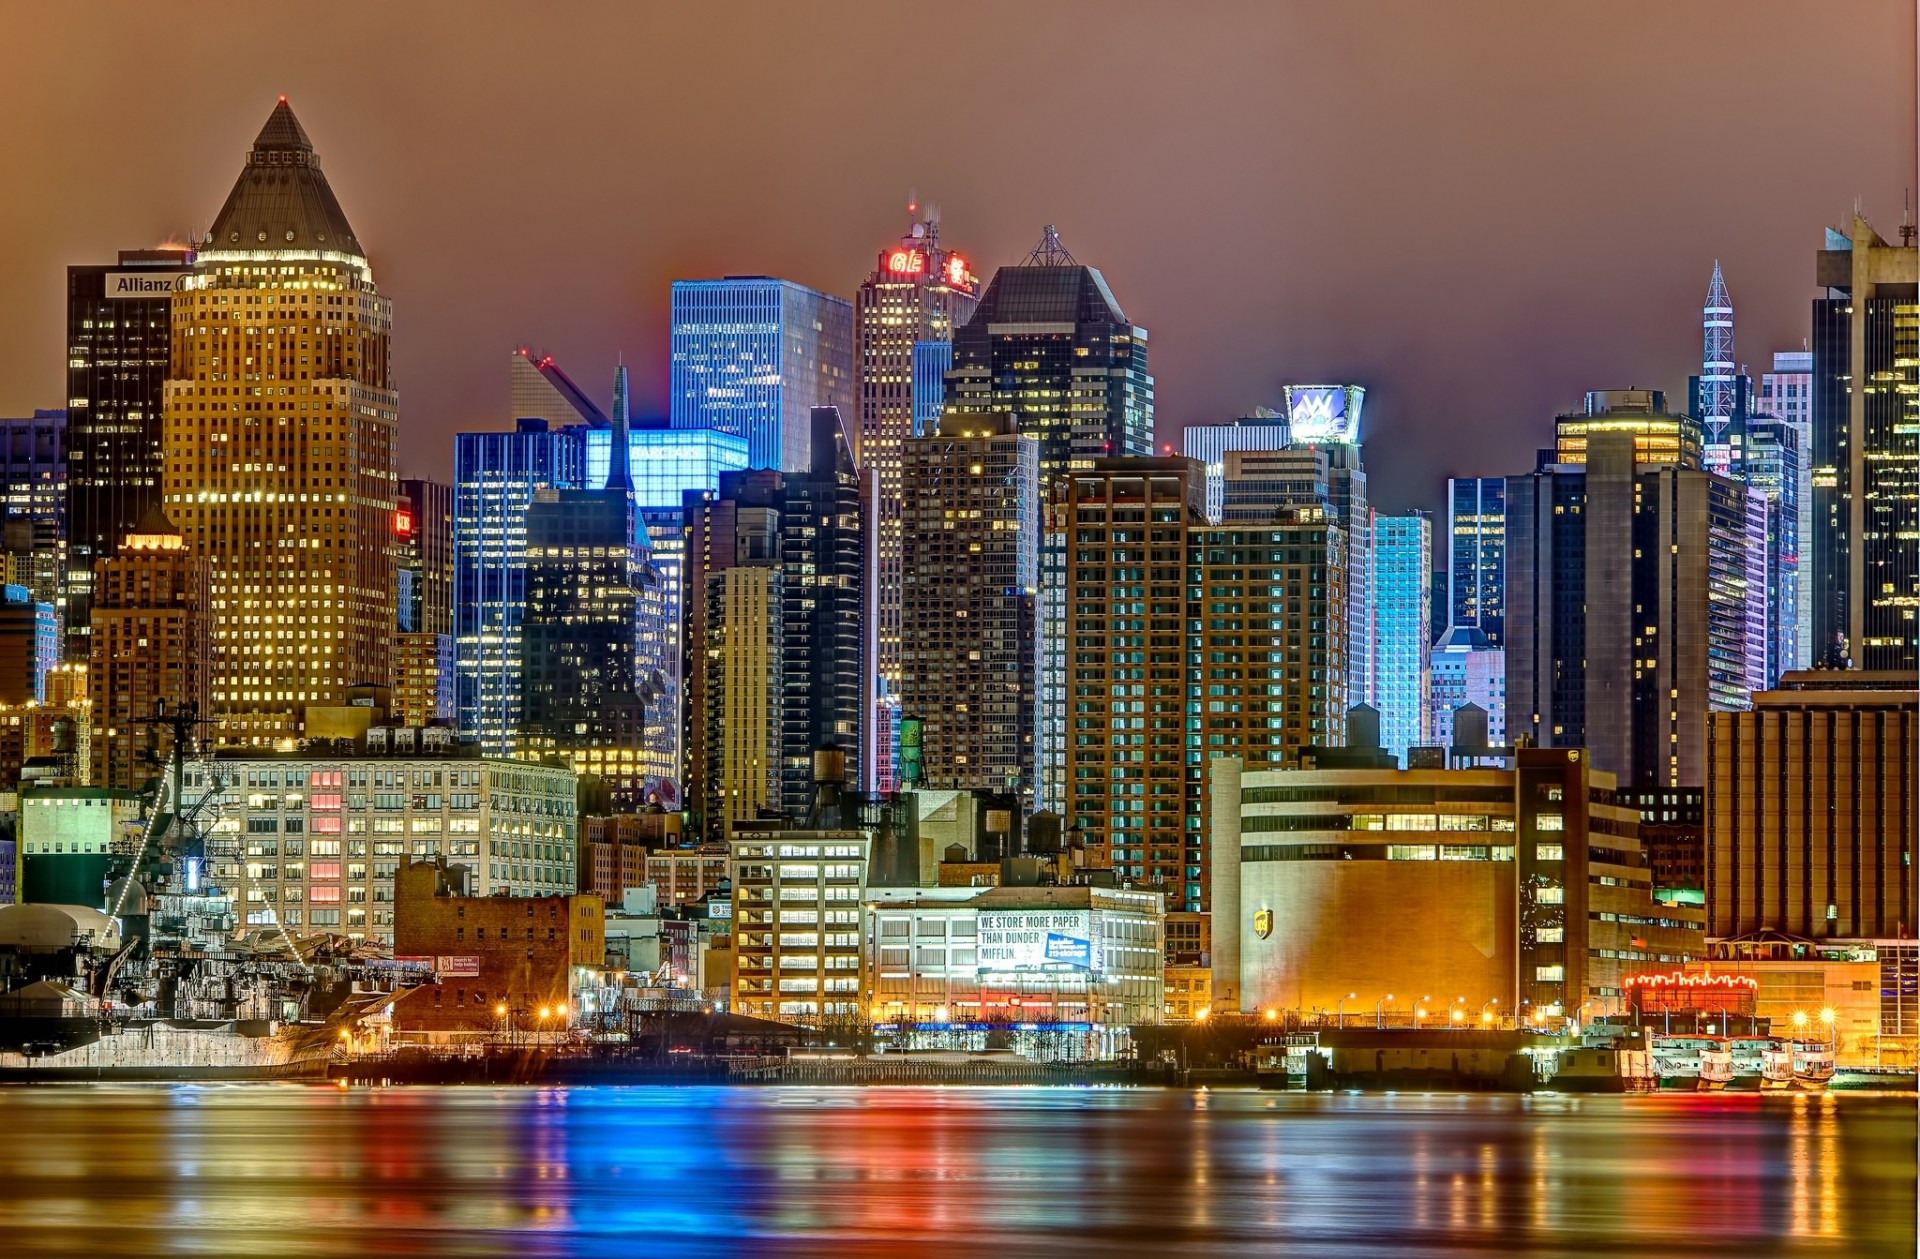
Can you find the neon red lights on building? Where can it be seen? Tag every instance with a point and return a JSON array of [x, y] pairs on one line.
[[1683, 991], [1681, 979], [957, 273], [403, 523], [906, 262]]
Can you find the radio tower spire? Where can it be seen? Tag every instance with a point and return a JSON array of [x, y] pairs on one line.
[[1717, 398]]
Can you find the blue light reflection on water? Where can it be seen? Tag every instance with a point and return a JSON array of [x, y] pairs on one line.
[[295, 1171]]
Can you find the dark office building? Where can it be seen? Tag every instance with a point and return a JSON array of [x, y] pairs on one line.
[[1866, 455], [424, 527], [1476, 565], [33, 465], [1673, 835], [823, 562], [119, 347], [583, 696]]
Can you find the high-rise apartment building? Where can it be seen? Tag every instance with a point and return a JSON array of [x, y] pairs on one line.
[[1476, 558], [33, 466], [1463, 668], [916, 295], [753, 356], [496, 476], [1049, 345], [279, 436], [1402, 572], [1636, 592], [1265, 429], [150, 648], [971, 548], [1813, 808], [1772, 463], [823, 552], [119, 352], [1786, 393], [1866, 460]]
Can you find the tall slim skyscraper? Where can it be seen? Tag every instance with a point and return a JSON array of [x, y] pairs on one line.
[[1866, 455], [754, 356], [119, 350], [280, 464], [1772, 463], [916, 295], [1403, 567], [424, 527], [1718, 403], [1476, 559], [1265, 429], [496, 476], [149, 645], [972, 566], [823, 541], [1786, 393], [1050, 346], [1636, 592]]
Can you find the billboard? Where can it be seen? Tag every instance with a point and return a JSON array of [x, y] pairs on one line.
[[1325, 413], [1038, 939], [465, 967], [121, 285]]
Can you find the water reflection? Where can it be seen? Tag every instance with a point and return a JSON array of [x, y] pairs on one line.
[[250, 1171]]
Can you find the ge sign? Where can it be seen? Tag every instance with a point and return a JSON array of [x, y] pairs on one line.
[[1324, 413]]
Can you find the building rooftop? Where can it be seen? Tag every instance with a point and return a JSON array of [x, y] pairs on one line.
[[281, 200]]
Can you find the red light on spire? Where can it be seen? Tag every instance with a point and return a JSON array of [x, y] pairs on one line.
[[283, 98]]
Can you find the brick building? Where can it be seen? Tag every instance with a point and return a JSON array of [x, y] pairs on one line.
[[527, 954]]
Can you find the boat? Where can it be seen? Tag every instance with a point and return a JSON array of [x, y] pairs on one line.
[[178, 1050], [1812, 1066], [1776, 1068], [1604, 1069], [1677, 1061], [1716, 1067]]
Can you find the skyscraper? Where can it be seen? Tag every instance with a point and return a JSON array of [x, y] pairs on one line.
[[1786, 393], [1049, 345], [496, 476], [149, 645], [1402, 560], [753, 356], [1718, 403], [1866, 456], [119, 327], [823, 555], [1466, 668], [1772, 462], [280, 464], [1265, 429], [916, 295], [971, 545], [33, 484], [1476, 559], [424, 527], [588, 695], [1636, 592]]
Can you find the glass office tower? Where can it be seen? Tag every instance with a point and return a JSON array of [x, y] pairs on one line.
[[753, 356], [1403, 569], [1476, 555]]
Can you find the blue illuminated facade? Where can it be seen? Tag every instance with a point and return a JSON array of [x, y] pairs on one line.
[[1403, 573], [495, 478], [752, 356], [932, 360]]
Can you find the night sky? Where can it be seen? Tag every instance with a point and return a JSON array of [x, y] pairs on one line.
[[1476, 210]]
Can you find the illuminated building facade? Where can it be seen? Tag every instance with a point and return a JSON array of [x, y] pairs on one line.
[[1402, 604], [1049, 345], [423, 679], [753, 356], [1476, 556], [1465, 668], [119, 353], [1717, 403], [33, 466], [1522, 889], [313, 842], [796, 922], [916, 295], [1771, 462], [971, 541], [592, 691], [1866, 458], [1786, 393], [150, 648], [1636, 593], [424, 529], [496, 476], [280, 465]]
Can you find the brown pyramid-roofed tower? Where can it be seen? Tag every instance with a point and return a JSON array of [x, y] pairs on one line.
[[281, 200]]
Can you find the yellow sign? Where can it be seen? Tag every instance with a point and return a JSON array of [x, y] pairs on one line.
[[1263, 923]]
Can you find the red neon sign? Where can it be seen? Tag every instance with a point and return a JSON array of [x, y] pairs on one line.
[[403, 523], [906, 262], [957, 270]]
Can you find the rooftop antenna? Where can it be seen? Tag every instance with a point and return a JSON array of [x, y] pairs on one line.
[[1906, 218], [1050, 252]]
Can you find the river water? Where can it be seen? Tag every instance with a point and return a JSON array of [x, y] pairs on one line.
[[282, 1170]]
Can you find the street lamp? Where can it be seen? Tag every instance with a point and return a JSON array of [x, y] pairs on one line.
[[1457, 1013], [1828, 1017], [1339, 1007], [1272, 1016], [1379, 1018], [1799, 1023], [1486, 1016], [1419, 1012]]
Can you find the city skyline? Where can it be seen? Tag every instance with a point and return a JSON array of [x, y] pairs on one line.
[[1290, 300]]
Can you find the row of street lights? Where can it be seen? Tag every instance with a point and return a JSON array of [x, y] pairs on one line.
[[1457, 1011]]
